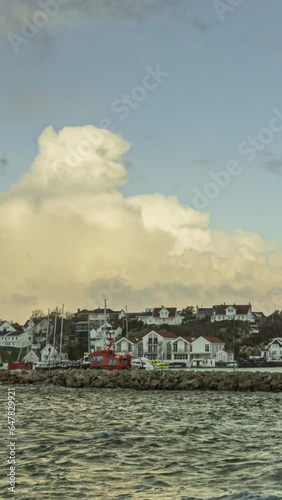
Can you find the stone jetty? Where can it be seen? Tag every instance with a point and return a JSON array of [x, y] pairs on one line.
[[141, 380]]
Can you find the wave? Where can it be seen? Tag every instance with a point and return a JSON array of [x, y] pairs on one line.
[[240, 495]]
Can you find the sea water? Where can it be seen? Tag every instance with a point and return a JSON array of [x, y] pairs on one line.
[[123, 444]]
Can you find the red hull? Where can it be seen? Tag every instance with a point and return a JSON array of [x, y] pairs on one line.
[[108, 359], [20, 366]]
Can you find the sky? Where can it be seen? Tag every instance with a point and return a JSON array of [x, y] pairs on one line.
[[140, 154]]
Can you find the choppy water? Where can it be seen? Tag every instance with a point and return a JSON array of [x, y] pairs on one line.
[[121, 444]]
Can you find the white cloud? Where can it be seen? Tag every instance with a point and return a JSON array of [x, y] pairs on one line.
[[66, 230]]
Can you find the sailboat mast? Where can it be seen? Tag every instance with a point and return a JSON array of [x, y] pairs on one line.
[[55, 330], [61, 337], [48, 325]]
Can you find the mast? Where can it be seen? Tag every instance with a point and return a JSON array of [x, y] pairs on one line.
[[89, 348], [54, 338], [126, 322], [61, 337], [109, 339], [48, 325]]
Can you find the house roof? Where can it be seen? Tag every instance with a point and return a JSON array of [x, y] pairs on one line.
[[184, 337], [35, 321], [17, 327], [278, 340], [229, 351], [204, 310], [213, 340], [3, 334], [240, 309], [132, 340], [171, 311]]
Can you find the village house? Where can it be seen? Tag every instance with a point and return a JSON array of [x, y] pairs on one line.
[[12, 335], [204, 349], [233, 312], [180, 349], [224, 356], [204, 312], [6, 327], [31, 357], [51, 356], [134, 345], [273, 350], [97, 337], [157, 345], [161, 316], [37, 327]]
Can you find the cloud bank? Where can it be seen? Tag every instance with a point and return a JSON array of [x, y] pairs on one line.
[[68, 235]]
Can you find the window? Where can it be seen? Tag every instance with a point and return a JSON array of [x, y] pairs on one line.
[[207, 348]]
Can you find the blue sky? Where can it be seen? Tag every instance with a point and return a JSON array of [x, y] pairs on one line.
[[223, 82]]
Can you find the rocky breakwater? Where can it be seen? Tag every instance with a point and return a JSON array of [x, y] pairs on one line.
[[176, 380]]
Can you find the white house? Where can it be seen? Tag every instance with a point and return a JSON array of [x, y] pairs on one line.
[[157, 345], [224, 356], [203, 312], [15, 338], [181, 349], [31, 356], [274, 350], [229, 312], [204, 349], [8, 339], [7, 327], [130, 345], [162, 316], [49, 354], [98, 337], [37, 326]]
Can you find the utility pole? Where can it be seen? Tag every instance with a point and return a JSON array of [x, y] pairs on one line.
[[61, 337]]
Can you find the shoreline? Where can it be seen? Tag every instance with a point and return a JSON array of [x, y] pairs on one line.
[[141, 380]]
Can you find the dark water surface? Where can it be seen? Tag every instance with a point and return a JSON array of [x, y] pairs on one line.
[[122, 444]]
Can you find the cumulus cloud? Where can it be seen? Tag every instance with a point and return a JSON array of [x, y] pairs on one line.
[[68, 235]]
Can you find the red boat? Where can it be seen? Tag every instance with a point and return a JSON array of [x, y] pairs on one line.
[[108, 358]]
